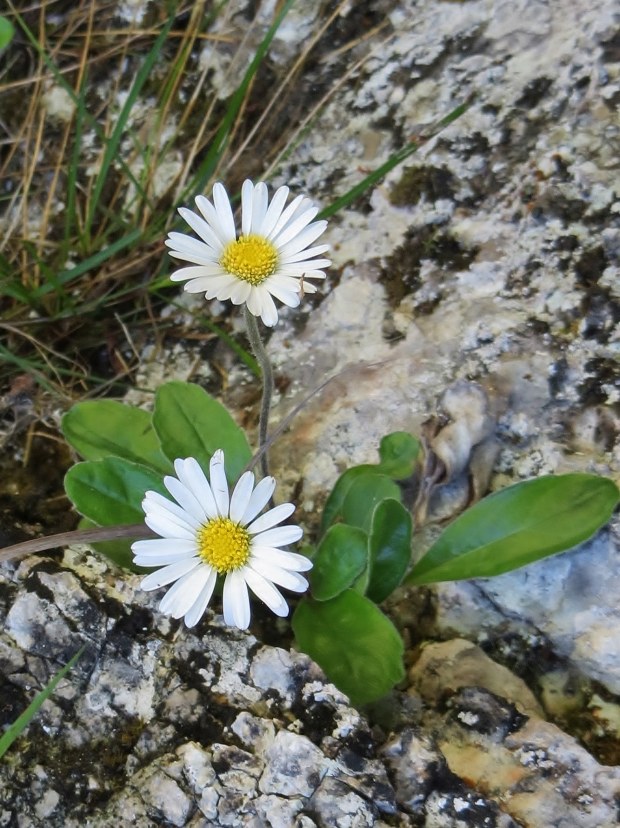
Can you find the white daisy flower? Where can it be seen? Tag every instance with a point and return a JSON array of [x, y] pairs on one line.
[[270, 258], [206, 533]]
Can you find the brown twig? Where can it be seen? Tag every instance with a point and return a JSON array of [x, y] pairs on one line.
[[135, 530]]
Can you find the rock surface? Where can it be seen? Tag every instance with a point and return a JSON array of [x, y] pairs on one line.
[[492, 256]]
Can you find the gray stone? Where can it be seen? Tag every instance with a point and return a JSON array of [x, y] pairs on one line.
[[296, 766], [451, 665]]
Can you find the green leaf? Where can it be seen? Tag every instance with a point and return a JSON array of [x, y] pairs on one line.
[[109, 492], [341, 558], [358, 648], [22, 721], [190, 423], [519, 525], [389, 545], [104, 428], [366, 491], [399, 453], [6, 36]]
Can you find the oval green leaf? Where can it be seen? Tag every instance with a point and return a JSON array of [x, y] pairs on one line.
[[389, 546], [333, 505], [6, 32], [519, 525], [366, 492], [109, 492], [399, 454], [358, 648], [341, 558], [190, 423], [107, 428]]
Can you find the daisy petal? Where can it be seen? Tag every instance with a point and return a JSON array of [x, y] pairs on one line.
[[185, 245], [211, 216], [302, 265], [269, 313], [170, 573], [181, 596], [281, 558], [247, 191], [254, 302], [271, 518], [309, 253], [193, 477], [287, 297], [198, 259], [225, 289], [282, 577], [204, 230], [283, 281], [163, 525], [241, 495], [259, 499], [219, 484], [236, 601], [314, 274], [196, 611], [280, 536], [154, 503], [171, 556], [185, 498], [156, 545], [260, 200], [162, 551], [195, 272], [224, 211], [305, 237], [274, 212], [266, 591], [240, 292], [286, 216], [211, 285], [295, 227]]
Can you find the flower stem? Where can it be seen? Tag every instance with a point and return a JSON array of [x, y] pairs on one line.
[[260, 353]]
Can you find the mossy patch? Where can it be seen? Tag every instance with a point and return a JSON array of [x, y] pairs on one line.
[[401, 272], [431, 183]]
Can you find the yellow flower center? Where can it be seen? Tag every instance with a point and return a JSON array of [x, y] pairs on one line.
[[251, 258], [224, 545]]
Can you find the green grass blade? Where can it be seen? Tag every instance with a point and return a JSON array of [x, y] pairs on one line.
[[60, 80], [22, 722], [28, 367], [90, 263], [245, 356], [10, 284], [393, 161], [71, 224], [219, 143], [112, 143]]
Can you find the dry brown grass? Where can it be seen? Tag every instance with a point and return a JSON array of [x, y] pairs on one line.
[[84, 334]]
